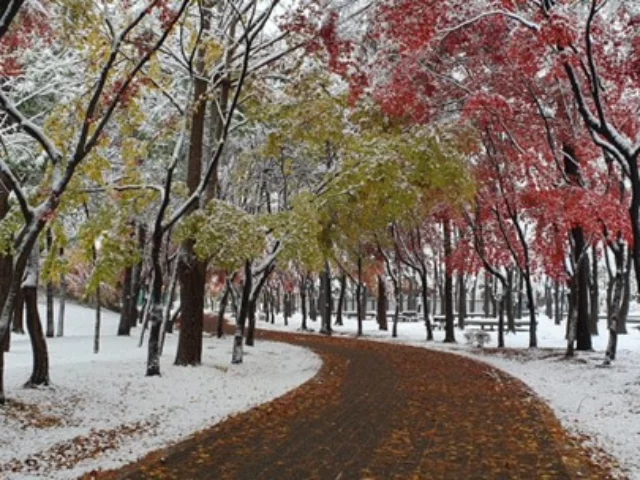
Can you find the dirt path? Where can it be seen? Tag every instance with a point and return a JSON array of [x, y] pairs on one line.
[[379, 411]]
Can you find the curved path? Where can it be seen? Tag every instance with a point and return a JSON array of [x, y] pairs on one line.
[[379, 411]]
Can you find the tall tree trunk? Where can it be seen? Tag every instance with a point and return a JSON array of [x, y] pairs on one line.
[[557, 315], [472, 300], [425, 304], [18, 313], [124, 326], [533, 325], [520, 311], [303, 302], [449, 336], [359, 295], [501, 309], [62, 300], [508, 302], [313, 309], [340, 307], [253, 302], [96, 332], [241, 318], [192, 278], [594, 292], [50, 318], [486, 295], [382, 304], [462, 300], [583, 335], [223, 307], [326, 300], [40, 372]]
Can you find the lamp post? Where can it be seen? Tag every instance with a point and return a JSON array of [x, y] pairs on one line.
[[97, 246]]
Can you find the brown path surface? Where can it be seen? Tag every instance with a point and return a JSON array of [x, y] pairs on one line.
[[380, 411]]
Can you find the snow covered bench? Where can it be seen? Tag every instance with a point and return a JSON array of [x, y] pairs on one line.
[[477, 337]]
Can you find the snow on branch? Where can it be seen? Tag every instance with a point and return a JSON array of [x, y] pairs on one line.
[[513, 16], [30, 128]]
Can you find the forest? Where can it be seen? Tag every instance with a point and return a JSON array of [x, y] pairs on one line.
[[166, 157]]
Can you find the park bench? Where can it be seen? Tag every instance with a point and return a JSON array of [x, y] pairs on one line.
[[477, 337]]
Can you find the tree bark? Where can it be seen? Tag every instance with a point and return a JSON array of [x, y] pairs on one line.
[[241, 318], [594, 292], [382, 304], [50, 318], [192, 278], [425, 304], [581, 259], [462, 300], [449, 336], [359, 295], [40, 371], [303, 302], [124, 326], [326, 300], [223, 307]]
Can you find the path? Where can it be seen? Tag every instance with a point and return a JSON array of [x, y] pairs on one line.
[[379, 411]]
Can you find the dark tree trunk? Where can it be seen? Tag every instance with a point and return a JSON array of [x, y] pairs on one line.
[[449, 336], [191, 274], [40, 372], [18, 313], [124, 327], [486, 295], [253, 302], [303, 302], [313, 309], [533, 326], [472, 300], [501, 308], [62, 300], [462, 301], [382, 304], [508, 302], [594, 292], [326, 300], [425, 304], [548, 299], [520, 312], [359, 295], [50, 319], [557, 315], [241, 318], [583, 335], [343, 290], [223, 307]]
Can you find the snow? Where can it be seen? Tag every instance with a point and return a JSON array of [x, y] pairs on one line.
[[600, 403], [96, 396]]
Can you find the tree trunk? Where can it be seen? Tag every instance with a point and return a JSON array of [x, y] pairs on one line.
[[124, 327], [557, 315], [326, 300], [472, 300], [462, 300], [548, 300], [359, 307], [343, 291], [520, 311], [533, 326], [382, 304], [583, 335], [192, 277], [50, 318], [62, 300], [486, 295], [594, 292], [18, 313], [508, 302], [449, 336], [241, 318], [425, 304], [501, 308], [313, 310], [303, 302], [96, 332], [223, 307], [253, 302]]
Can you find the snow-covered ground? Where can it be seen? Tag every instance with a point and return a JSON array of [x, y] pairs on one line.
[[600, 403], [103, 408]]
